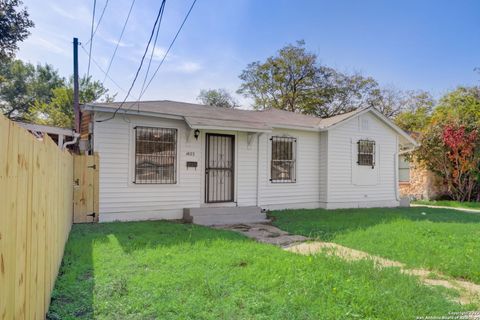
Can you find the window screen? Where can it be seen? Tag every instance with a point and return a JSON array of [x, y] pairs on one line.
[[283, 159], [403, 169], [366, 153], [155, 155]]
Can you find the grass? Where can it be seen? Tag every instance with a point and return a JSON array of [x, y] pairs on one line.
[[441, 240], [162, 270], [447, 203]]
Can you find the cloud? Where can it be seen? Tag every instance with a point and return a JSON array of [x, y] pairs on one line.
[[188, 67], [79, 14], [48, 45]]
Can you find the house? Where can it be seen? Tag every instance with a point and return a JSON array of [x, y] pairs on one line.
[[419, 183], [168, 160]]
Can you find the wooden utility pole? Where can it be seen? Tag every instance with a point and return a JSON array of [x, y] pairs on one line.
[[76, 103]]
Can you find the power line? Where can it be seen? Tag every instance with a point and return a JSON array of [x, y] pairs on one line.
[[118, 42], [140, 66], [91, 37], [99, 20], [153, 47], [168, 50], [103, 71]]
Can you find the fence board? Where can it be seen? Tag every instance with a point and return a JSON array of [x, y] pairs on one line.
[[36, 212], [85, 194]]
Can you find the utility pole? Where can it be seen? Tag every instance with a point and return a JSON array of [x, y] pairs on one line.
[[76, 103]]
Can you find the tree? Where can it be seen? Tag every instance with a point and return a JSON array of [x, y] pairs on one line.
[[293, 80], [23, 84], [416, 111], [14, 25], [218, 98], [59, 110], [450, 143]]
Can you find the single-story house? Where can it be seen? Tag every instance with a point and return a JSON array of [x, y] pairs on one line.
[[172, 160]]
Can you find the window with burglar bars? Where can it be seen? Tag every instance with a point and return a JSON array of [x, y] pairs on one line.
[[283, 159], [155, 155], [366, 153]]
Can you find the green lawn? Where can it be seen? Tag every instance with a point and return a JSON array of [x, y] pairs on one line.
[[437, 239], [446, 203], [162, 270]]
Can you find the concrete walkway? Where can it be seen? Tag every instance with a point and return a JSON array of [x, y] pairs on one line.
[[468, 292], [265, 233], [445, 207]]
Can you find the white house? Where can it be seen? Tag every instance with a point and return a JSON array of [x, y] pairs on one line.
[[168, 160]]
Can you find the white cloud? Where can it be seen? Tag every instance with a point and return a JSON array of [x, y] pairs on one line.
[[79, 14], [48, 45], [188, 67]]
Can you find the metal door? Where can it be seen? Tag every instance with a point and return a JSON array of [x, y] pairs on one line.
[[219, 168]]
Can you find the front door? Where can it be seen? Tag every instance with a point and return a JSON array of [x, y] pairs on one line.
[[219, 168]]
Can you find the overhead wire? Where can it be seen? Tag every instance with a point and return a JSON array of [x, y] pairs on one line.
[[99, 21], [91, 38], [119, 41], [139, 67]]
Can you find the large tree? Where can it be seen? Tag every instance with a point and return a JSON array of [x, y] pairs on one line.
[[293, 80], [23, 84], [58, 111], [416, 110], [450, 143], [14, 25], [218, 98]]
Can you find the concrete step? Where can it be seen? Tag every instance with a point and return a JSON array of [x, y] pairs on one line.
[[223, 216]]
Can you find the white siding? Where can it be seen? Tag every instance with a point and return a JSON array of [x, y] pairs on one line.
[[120, 198], [305, 192], [349, 184], [325, 170]]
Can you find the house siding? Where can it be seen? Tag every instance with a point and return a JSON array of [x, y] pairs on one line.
[[325, 164], [344, 190], [305, 192]]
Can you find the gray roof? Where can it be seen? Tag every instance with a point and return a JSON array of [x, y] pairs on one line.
[[202, 116]]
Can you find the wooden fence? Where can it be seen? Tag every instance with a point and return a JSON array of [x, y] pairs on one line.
[[36, 196]]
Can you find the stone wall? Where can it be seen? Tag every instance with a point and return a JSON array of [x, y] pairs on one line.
[[423, 184]]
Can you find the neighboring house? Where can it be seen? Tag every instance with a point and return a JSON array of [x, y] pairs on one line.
[[168, 160], [417, 182], [64, 138]]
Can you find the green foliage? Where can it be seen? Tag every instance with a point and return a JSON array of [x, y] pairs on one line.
[[417, 112], [14, 25], [23, 84], [457, 110], [218, 98], [441, 240], [162, 270]]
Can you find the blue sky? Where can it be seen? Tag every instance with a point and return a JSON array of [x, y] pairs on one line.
[[410, 45]]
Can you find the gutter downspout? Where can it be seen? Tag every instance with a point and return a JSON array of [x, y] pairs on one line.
[[73, 141], [258, 168]]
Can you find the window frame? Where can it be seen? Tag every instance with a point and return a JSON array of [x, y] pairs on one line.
[[363, 153], [293, 170], [174, 179], [403, 169]]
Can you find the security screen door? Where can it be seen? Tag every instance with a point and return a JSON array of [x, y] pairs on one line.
[[219, 168]]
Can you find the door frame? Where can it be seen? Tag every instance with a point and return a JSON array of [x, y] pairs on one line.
[[232, 169]]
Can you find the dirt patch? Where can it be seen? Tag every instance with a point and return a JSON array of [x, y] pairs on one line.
[[468, 292]]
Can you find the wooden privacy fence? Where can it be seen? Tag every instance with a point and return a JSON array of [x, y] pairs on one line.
[[36, 198]]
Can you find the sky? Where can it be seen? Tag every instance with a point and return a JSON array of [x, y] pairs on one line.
[[431, 45]]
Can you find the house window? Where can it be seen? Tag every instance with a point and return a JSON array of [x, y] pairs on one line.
[[155, 155], [283, 159], [366, 153], [403, 169]]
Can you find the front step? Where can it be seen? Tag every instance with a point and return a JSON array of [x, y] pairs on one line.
[[209, 216]]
